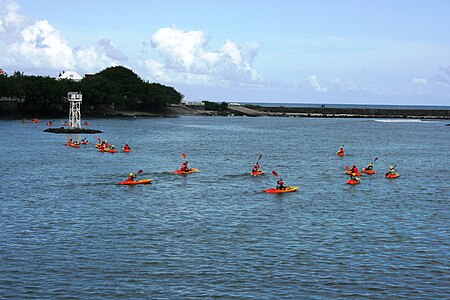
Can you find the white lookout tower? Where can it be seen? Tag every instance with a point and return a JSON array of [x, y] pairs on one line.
[[74, 99]]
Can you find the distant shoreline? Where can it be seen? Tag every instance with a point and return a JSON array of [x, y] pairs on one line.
[[252, 110]]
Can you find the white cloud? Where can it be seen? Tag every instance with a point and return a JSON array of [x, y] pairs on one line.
[[187, 59], [40, 46], [313, 81], [419, 81]]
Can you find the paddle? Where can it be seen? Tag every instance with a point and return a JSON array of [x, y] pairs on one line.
[[257, 162], [138, 172], [184, 155]]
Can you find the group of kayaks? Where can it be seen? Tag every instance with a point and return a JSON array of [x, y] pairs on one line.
[[353, 172]]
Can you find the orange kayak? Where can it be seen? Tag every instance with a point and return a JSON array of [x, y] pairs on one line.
[[85, 143], [192, 170], [126, 150], [133, 182], [340, 153]]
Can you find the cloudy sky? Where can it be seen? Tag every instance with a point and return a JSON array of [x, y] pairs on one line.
[[377, 52]]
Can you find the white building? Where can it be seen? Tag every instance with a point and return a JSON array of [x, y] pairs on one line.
[[70, 75]]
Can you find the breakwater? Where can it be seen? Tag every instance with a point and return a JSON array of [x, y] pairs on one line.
[[353, 112]]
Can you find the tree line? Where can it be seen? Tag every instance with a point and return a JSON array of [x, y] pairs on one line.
[[114, 87]]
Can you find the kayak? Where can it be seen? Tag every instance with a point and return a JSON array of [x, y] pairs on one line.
[[340, 153], [259, 172], [350, 173], [353, 181], [108, 150], [85, 143], [392, 176], [370, 172], [288, 189], [126, 150], [192, 170], [74, 145], [133, 182]]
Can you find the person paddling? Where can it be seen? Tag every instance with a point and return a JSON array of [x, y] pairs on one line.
[[354, 169], [127, 148], [353, 177], [391, 172], [341, 152], [131, 177], [281, 185], [185, 167], [256, 168], [370, 167]]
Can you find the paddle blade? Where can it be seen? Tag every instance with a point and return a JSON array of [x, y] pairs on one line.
[[259, 157], [375, 159], [140, 172], [347, 168], [275, 173], [184, 155]]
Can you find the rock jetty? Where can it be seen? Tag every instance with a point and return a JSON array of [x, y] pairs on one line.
[[72, 130]]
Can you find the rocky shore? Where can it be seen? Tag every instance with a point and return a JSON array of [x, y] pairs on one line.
[[354, 112]]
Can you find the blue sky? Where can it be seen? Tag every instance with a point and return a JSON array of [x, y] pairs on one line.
[[377, 52]]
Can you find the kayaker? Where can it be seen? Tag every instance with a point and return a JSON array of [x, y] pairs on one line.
[[84, 140], [370, 167], [69, 141], [77, 142], [256, 167], [184, 167], [353, 177], [112, 147], [281, 185], [354, 169], [107, 144], [126, 147], [131, 177], [341, 151], [392, 170]]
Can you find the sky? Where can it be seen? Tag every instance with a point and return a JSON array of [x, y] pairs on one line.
[[346, 52]]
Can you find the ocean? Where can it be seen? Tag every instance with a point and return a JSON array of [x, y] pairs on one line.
[[68, 231]]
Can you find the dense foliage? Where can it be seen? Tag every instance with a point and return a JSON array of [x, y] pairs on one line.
[[114, 87], [216, 106]]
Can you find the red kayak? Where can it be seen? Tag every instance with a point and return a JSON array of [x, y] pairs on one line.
[[84, 143], [350, 173], [257, 173], [370, 172], [392, 176], [134, 182], [126, 150], [352, 182], [108, 150], [340, 153]]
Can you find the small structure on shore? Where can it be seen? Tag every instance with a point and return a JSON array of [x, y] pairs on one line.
[[75, 99]]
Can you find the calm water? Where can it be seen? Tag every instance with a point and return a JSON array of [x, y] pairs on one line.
[[67, 231]]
